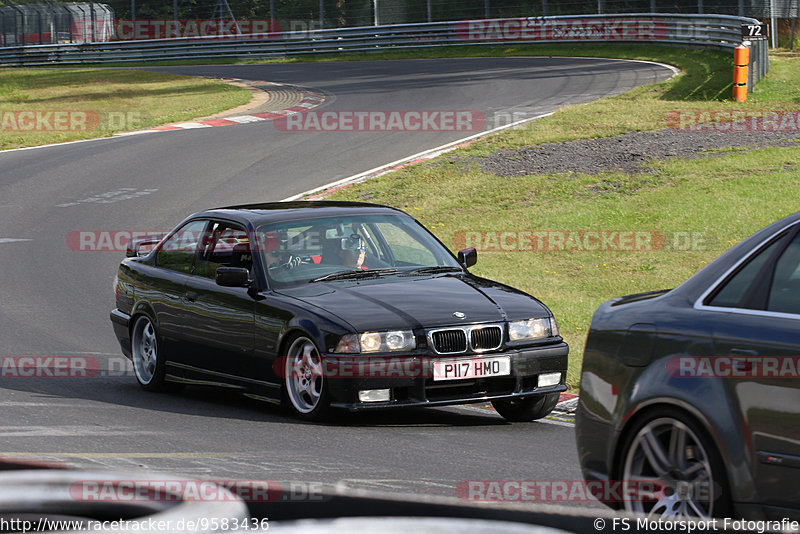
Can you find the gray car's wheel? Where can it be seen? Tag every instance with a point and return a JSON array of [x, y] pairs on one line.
[[148, 364], [669, 452], [526, 409], [304, 382]]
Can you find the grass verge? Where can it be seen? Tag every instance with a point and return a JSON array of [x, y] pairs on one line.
[[714, 201], [75, 104], [719, 200]]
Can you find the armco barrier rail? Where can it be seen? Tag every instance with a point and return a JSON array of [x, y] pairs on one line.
[[695, 30]]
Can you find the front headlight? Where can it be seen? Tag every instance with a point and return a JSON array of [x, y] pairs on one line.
[[392, 341], [530, 329]]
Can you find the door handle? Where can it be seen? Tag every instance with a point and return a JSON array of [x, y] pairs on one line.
[[191, 296]]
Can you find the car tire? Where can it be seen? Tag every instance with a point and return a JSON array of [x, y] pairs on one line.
[[304, 386], [149, 364], [694, 480], [527, 408]]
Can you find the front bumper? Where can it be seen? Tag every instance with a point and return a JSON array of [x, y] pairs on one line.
[[421, 390]]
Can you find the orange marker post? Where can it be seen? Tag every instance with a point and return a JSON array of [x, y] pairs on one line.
[[741, 60]]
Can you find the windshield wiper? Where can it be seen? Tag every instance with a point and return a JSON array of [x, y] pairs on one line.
[[435, 269], [361, 273]]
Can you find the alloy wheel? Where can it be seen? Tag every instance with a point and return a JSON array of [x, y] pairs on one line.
[[144, 346], [668, 457], [304, 377]]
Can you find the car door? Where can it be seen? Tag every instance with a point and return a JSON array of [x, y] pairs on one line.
[[163, 285], [219, 323], [757, 322]]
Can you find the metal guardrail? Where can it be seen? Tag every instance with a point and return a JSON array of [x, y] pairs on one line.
[[720, 31], [759, 63]]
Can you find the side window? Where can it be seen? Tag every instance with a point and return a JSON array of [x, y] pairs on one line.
[[179, 251], [227, 246], [406, 249], [737, 291], [373, 246], [784, 295]]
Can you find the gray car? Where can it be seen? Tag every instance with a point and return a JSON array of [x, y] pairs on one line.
[[694, 391]]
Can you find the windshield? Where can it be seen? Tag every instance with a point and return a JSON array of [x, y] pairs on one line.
[[308, 250]]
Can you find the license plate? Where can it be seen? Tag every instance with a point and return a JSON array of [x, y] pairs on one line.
[[464, 368]]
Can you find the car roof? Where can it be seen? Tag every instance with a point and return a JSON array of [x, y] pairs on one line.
[[267, 212]]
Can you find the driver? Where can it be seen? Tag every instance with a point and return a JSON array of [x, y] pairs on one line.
[[354, 251], [274, 258]]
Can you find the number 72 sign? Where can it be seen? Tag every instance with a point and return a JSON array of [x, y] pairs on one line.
[[751, 32]]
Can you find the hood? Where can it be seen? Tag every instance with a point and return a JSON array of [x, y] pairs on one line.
[[401, 302]]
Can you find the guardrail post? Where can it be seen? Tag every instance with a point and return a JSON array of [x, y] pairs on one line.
[[39, 27], [760, 46], [761, 60], [741, 61]]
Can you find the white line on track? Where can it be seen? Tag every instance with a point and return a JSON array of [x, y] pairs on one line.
[[433, 152], [170, 455], [350, 484], [544, 420], [70, 430], [12, 404], [424, 155]]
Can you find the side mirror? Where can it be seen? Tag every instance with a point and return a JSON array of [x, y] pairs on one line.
[[233, 277], [468, 257]]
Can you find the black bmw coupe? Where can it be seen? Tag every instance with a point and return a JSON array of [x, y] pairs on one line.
[[322, 305]]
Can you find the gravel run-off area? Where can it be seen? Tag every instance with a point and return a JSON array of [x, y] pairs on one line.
[[629, 153]]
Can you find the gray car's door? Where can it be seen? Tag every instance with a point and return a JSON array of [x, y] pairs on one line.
[[757, 326]]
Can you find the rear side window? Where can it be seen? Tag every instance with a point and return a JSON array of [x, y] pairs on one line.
[[179, 251], [784, 294], [227, 246], [748, 287]]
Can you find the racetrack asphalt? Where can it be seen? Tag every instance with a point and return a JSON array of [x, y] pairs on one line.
[[56, 299]]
